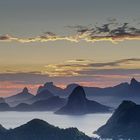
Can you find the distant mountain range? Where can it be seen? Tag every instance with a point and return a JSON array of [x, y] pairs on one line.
[[28, 98], [41, 95], [79, 104], [109, 96], [40, 130], [117, 90], [124, 123], [50, 104], [19, 98]]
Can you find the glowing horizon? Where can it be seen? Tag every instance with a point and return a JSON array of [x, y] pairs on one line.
[[87, 42]]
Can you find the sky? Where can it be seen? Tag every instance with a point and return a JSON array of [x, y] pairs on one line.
[[90, 42]]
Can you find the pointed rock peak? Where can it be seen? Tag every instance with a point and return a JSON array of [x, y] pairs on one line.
[[40, 89], [133, 81], [48, 84], [78, 93], [25, 90]]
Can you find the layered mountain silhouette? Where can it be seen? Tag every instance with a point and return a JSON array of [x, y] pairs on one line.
[[124, 123], [41, 95], [19, 98], [4, 107], [79, 104], [2, 100], [40, 130], [50, 104], [49, 86], [110, 96]]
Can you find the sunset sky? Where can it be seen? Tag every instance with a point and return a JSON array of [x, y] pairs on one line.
[[91, 42]]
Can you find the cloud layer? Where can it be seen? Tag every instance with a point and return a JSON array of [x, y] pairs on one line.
[[90, 68], [81, 71], [112, 31]]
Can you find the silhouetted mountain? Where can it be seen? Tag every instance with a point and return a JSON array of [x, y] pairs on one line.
[[40, 130], [19, 98], [68, 90], [79, 104], [21, 107], [111, 96], [51, 104], [124, 123], [43, 94], [49, 86], [2, 100], [4, 107], [135, 84]]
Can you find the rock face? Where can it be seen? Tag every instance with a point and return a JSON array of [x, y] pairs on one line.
[[79, 104], [124, 123], [40, 130]]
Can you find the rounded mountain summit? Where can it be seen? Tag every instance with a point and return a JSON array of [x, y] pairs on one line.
[[78, 104]]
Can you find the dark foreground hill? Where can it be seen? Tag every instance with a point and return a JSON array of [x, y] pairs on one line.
[[124, 123], [41, 130], [79, 104]]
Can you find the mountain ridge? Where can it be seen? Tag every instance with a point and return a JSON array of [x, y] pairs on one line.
[[37, 129], [124, 123]]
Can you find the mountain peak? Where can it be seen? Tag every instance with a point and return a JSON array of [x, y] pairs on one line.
[[25, 90], [126, 104], [78, 104], [124, 123], [37, 122], [78, 94], [134, 83], [48, 84], [40, 130], [133, 80]]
